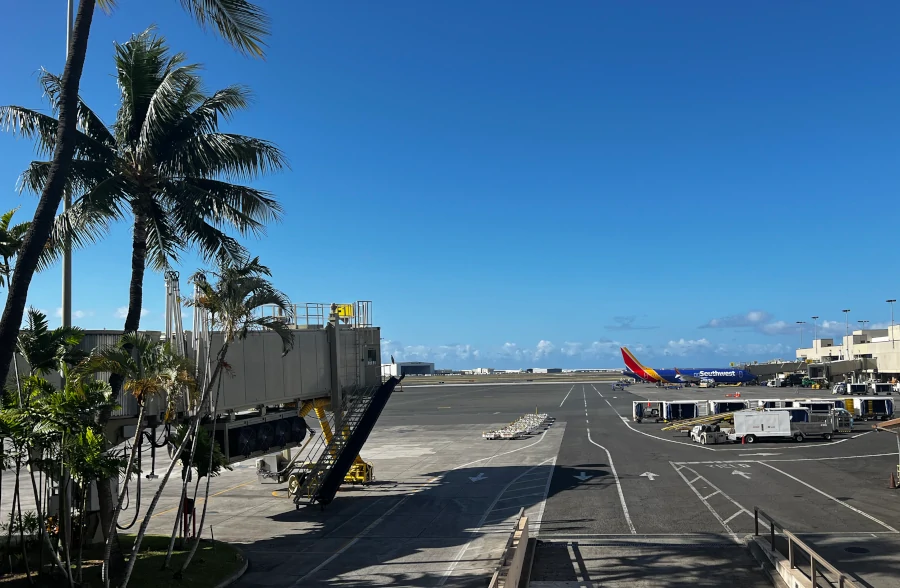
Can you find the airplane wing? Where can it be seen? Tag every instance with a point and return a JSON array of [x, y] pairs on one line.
[[687, 378]]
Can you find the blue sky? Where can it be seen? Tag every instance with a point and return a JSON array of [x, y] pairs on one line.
[[518, 184]]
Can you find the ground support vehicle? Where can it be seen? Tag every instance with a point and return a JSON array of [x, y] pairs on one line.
[[776, 423]]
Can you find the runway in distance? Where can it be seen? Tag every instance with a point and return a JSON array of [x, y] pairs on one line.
[[683, 376]]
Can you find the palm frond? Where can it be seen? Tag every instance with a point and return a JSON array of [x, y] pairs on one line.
[[277, 324], [141, 65], [244, 208], [241, 23], [205, 117], [163, 241], [30, 124], [85, 174], [41, 127], [222, 154], [88, 122], [210, 242], [177, 92]]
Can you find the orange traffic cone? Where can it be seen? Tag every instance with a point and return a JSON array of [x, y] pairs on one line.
[[892, 483], [744, 442]]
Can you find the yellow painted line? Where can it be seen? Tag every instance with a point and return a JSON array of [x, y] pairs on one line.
[[211, 495]]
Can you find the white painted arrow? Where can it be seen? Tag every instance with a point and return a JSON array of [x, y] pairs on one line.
[[478, 478], [739, 473], [760, 454], [583, 477], [649, 475]]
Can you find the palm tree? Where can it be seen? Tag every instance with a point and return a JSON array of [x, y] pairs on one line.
[[10, 241], [164, 164], [232, 300], [149, 369], [45, 350], [241, 23]]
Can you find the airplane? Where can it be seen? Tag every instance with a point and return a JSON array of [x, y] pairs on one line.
[[683, 376]]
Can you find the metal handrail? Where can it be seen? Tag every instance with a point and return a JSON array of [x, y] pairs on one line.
[[814, 558]]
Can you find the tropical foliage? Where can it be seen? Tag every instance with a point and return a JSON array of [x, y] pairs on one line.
[[11, 237], [241, 23], [164, 165]]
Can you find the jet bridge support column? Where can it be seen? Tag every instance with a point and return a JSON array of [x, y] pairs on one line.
[[333, 329]]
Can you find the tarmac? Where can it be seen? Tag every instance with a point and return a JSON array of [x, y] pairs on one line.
[[611, 501]]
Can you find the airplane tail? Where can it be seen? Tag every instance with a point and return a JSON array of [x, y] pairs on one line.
[[632, 363]]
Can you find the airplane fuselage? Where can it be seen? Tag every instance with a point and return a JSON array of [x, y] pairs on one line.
[[719, 375]]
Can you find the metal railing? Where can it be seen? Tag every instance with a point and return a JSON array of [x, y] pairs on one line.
[[795, 542], [314, 315]]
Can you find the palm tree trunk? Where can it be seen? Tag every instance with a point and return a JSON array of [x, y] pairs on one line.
[[194, 424], [212, 448], [138, 431], [138, 266], [39, 231]]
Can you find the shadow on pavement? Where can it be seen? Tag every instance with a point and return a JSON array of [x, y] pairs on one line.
[[450, 531]]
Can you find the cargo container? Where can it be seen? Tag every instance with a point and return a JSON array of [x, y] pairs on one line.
[[873, 408], [720, 406], [881, 389], [646, 409], [679, 410]]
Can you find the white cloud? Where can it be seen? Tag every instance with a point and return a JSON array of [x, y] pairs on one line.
[[122, 312], [684, 347], [754, 318], [78, 314], [543, 349]]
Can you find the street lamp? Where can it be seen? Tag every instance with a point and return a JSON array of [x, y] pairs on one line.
[[891, 301], [815, 329], [847, 317], [801, 323]]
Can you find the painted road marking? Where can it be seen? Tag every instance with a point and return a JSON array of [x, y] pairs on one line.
[[724, 524], [567, 395], [628, 424], [540, 517], [829, 496], [481, 522], [612, 468], [726, 461]]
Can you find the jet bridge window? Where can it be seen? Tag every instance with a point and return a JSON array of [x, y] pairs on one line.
[[371, 356]]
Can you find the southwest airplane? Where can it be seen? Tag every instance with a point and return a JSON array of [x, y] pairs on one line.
[[676, 376]]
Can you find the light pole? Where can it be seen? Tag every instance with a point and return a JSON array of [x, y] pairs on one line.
[[815, 329], [847, 319], [891, 301], [67, 203], [801, 323]]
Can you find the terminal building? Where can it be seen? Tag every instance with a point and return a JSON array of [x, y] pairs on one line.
[[862, 355]]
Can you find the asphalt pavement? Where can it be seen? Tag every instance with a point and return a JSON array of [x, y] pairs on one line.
[[612, 502]]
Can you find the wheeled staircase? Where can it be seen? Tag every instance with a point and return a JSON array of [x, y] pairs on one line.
[[338, 451]]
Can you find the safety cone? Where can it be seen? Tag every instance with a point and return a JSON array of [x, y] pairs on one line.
[[892, 483], [744, 442]]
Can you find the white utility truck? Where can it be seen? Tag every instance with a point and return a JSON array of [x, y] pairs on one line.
[[751, 425]]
